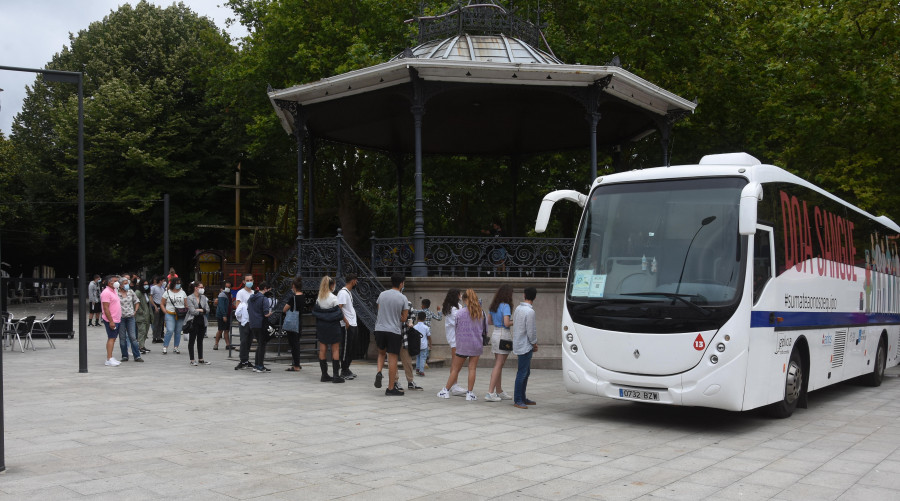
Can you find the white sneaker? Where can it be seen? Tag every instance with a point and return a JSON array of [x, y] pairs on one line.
[[444, 393], [470, 396], [491, 397], [112, 362], [457, 391], [504, 396]]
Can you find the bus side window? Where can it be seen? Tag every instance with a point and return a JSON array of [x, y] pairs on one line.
[[762, 262]]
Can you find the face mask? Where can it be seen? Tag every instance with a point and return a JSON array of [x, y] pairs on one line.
[[201, 291], [177, 286], [127, 287], [226, 290], [98, 280], [248, 285], [146, 287], [115, 285]]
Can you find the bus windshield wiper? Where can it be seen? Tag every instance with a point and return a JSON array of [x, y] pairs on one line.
[[589, 306], [674, 297]]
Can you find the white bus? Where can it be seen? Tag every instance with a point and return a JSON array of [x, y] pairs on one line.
[[728, 284]]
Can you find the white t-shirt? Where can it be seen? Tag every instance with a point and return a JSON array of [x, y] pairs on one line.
[[241, 312], [426, 333], [329, 302], [243, 295], [450, 326], [345, 298]]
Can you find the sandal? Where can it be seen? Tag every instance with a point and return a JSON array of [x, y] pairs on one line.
[[293, 368]]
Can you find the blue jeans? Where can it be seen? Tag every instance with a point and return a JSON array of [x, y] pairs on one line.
[[420, 360], [128, 335], [522, 377], [173, 327]]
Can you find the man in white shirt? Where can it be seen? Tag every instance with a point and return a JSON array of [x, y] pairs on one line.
[[241, 315], [345, 301]]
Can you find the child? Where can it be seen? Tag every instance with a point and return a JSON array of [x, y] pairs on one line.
[[425, 330], [429, 315]]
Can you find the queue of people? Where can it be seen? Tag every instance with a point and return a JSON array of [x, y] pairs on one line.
[[131, 309]]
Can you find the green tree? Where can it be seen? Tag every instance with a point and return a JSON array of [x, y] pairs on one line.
[[150, 128]]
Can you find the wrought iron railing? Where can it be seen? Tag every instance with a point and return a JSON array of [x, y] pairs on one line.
[[334, 257], [475, 256], [479, 18]]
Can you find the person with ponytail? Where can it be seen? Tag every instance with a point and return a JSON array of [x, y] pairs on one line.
[[470, 330], [328, 329]]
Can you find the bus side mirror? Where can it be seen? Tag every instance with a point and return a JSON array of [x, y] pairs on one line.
[[750, 197], [543, 217]]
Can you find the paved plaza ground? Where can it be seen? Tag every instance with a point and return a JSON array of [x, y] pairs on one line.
[[166, 430]]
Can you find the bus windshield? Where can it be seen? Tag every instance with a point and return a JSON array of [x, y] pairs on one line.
[[661, 256]]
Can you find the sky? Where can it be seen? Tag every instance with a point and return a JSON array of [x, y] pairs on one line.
[[32, 31]]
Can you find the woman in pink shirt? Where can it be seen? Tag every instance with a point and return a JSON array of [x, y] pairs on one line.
[[112, 315]]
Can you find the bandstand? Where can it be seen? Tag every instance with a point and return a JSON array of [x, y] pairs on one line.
[[481, 81]]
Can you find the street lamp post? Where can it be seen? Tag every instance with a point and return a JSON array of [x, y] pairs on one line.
[[75, 77]]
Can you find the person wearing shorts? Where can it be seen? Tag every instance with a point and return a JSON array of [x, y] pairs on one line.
[[112, 316], [393, 308]]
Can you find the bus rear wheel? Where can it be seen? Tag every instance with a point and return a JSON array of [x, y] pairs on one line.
[[793, 387], [877, 374]]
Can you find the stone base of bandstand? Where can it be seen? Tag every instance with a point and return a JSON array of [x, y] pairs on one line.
[[547, 307]]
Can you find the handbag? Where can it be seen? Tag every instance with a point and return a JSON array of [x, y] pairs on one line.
[[186, 328], [292, 319], [485, 338], [179, 312], [506, 344]]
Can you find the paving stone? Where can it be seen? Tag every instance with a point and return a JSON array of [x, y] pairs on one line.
[[165, 430]]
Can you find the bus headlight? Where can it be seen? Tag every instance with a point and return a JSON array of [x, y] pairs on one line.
[[720, 347], [574, 348], [570, 337], [713, 359]]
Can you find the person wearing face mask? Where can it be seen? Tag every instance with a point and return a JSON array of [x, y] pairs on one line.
[[128, 330], [223, 316], [173, 305], [142, 315], [240, 314], [198, 307], [159, 317], [94, 301], [112, 315]]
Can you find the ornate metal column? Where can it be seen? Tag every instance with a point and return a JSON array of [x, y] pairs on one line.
[[419, 268], [296, 111], [664, 125], [592, 105]]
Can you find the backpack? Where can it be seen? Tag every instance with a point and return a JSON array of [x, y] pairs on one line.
[[413, 341]]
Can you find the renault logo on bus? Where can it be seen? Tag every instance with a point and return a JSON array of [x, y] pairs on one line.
[[637, 354]]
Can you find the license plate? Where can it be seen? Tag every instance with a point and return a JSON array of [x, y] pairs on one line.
[[639, 394]]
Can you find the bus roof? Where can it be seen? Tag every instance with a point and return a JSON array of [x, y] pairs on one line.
[[731, 165]]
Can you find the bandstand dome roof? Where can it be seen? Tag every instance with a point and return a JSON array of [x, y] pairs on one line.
[[484, 48], [485, 89]]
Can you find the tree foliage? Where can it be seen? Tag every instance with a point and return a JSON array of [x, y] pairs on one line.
[[172, 107], [150, 128]]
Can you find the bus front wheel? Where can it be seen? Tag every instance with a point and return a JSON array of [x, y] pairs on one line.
[[793, 388], [877, 375]]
